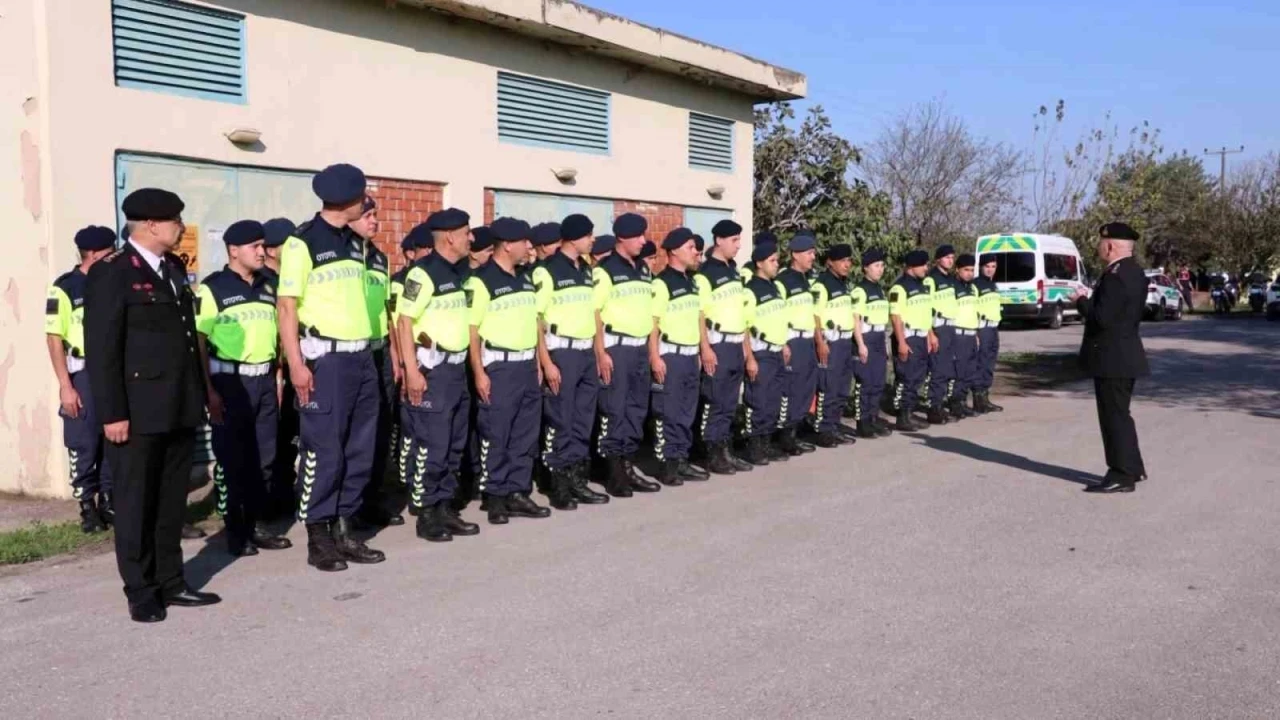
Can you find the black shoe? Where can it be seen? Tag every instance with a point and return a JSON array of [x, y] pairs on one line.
[[239, 546], [147, 611], [265, 540], [497, 509], [322, 553], [739, 463], [990, 406], [881, 427], [372, 516], [90, 520], [937, 416], [519, 505], [978, 407], [786, 442], [773, 449], [718, 462], [617, 483], [756, 452], [1111, 486], [827, 440], [958, 409], [667, 474], [414, 510], [431, 524], [454, 523], [846, 431], [190, 598], [106, 508], [691, 473], [579, 488], [638, 483], [351, 548], [906, 423], [561, 486], [867, 431], [191, 532]]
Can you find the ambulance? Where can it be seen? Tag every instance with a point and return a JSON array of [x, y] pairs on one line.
[[1036, 274]]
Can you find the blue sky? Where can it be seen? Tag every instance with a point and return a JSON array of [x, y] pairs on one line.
[[1206, 77]]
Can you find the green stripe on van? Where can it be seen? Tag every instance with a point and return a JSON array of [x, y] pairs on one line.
[[1005, 243]]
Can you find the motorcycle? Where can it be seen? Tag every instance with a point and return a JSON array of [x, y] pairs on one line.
[[1220, 301], [1257, 296]]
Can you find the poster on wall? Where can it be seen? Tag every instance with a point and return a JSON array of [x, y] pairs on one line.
[[188, 249]]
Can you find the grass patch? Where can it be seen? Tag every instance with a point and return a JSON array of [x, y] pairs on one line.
[[39, 540]]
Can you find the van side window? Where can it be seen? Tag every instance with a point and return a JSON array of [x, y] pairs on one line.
[[1060, 267]]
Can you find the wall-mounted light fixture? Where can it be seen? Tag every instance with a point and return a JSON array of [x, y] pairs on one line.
[[565, 174], [716, 191], [244, 136]]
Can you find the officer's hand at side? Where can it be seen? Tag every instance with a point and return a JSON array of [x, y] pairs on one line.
[[709, 361], [604, 368], [415, 386], [786, 355], [824, 352], [117, 432], [863, 354], [303, 383], [397, 373], [932, 343], [551, 374], [70, 400], [903, 350], [659, 368], [753, 369], [483, 386], [216, 408]]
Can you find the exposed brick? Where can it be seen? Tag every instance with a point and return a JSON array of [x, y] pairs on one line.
[[488, 206], [402, 204]]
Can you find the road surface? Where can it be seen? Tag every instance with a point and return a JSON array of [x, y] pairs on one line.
[[956, 573]]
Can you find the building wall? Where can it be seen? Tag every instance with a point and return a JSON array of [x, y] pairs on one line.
[[402, 204]]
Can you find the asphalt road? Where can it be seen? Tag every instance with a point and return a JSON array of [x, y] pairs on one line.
[[956, 573]]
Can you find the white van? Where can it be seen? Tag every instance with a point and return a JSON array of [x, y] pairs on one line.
[[1036, 274]]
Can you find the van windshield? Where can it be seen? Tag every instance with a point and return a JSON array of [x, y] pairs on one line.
[[1015, 266]]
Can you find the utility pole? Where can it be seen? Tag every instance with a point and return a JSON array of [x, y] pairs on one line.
[[1222, 154]]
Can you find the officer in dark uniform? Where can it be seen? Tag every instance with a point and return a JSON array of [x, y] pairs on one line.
[[833, 305], [871, 308], [911, 313], [724, 300], [481, 246], [966, 337], [649, 256], [768, 354], [280, 498], [275, 231], [403, 435], [807, 351], [236, 322], [546, 240], [567, 320], [148, 392], [81, 431], [990, 312], [504, 346], [1112, 353], [940, 380], [602, 248], [325, 333]]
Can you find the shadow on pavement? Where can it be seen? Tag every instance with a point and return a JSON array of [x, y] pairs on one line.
[[212, 559], [1008, 459]]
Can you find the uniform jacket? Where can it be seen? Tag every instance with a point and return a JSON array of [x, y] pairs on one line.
[[140, 343], [1112, 347]]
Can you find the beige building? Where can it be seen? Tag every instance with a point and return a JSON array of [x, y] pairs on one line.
[[534, 108]]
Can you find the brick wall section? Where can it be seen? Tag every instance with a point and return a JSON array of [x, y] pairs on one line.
[[401, 205], [488, 206], [662, 218]]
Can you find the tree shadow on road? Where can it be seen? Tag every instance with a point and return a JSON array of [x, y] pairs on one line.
[[975, 451]]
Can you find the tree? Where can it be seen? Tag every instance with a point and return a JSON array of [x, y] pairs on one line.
[[1245, 222], [946, 185]]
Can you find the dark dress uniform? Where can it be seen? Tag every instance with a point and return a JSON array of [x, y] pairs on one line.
[[1112, 353], [144, 368]]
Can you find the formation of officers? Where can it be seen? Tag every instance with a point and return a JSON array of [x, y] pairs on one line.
[[498, 355]]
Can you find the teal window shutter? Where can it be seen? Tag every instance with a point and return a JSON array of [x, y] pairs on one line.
[[178, 48], [710, 142], [541, 112]]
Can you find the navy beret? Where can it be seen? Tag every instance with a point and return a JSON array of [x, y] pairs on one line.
[[843, 251], [916, 258], [603, 244], [448, 219], [1117, 231], [368, 204], [243, 232], [872, 255], [407, 244], [943, 251], [801, 243], [647, 250], [545, 233], [276, 230], [576, 227], [420, 236], [677, 238], [990, 259], [481, 238], [964, 261], [629, 225], [152, 204], [506, 229], [95, 237], [339, 184], [726, 228], [699, 243], [762, 252], [764, 238]]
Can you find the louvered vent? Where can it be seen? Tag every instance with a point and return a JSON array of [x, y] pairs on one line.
[[178, 48], [542, 112]]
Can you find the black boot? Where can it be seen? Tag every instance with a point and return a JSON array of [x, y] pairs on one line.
[[739, 464], [773, 448], [990, 406], [431, 524], [90, 520], [106, 508], [866, 430], [519, 505], [497, 508], [561, 487], [978, 408], [804, 447], [266, 540], [845, 431], [881, 427], [937, 416], [756, 452], [668, 473], [638, 484], [906, 423], [351, 548], [691, 473], [238, 544], [322, 552], [786, 442], [372, 516], [827, 440], [454, 523], [617, 484], [959, 409], [579, 488], [718, 462]]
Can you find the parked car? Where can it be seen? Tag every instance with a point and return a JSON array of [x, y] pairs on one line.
[[1273, 300], [1163, 298], [1036, 274]]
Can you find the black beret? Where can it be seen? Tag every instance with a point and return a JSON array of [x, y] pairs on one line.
[[407, 244], [276, 230], [762, 252], [872, 255], [448, 219], [243, 232], [964, 261], [943, 251], [916, 258], [506, 229], [843, 251], [481, 238], [420, 236], [545, 233], [152, 204], [990, 259], [801, 243], [1118, 231], [677, 238], [603, 244], [629, 225], [576, 227], [95, 237], [339, 184], [764, 238], [368, 204], [699, 243], [726, 228], [647, 250]]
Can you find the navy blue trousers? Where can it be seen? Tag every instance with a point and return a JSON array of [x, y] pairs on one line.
[[388, 394], [802, 382], [82, 435], [720, 393], [569, 416], [871, 375], [834, 382], [337, 431], [942, 367], [508, 428], [675, 402], [624, 402], [988, 352], [909, 374], [966, 352], [245, 448], [763, 396], [439, 426]]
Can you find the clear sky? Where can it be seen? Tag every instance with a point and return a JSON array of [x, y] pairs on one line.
[[1206, 77]]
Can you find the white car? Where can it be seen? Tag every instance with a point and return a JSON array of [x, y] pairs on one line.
[[1164, 300]]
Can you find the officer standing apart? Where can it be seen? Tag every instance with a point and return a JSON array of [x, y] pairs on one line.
[[807, 351], [505, 345], [724, 297], [567, 320], [1112, 353], [433, 326], [871, 312], [940, 380], [280, 486], [236, 322], [966, 337], [324, 333], [148, 392], [624, 319], [64, 334], [911, 313], [989, 314], [837, 325], [767, 316], [674, 346]]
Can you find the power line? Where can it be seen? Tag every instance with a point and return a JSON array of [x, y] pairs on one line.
[[1222, 154]]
